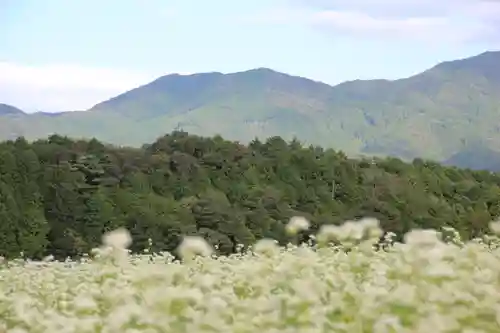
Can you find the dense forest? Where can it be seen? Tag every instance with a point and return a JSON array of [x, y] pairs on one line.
[[58, 195]]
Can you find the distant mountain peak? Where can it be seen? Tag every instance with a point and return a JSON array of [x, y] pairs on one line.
[[484, 63], [433, 114], [190, 76], [6, 109], [263, 70], [491, 52]]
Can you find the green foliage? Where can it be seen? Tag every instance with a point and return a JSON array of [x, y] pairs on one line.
[[440, 114], [58, 196]]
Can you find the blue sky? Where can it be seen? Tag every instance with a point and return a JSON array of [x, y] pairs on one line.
[[66, 55]]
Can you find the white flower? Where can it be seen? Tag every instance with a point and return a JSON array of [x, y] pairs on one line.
[[422, 285], [48, 258], [371, 227], [352, 230], [266, 247], [118, 239], [370, 223], [296, 225], [495, 227], [422, 237], [328, 233], [194, 245], [439, 269]]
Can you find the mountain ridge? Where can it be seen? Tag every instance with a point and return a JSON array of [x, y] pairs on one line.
[[430, 114], [7, 109], [267, 69]]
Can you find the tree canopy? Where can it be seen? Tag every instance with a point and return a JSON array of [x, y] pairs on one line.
[[59, 195]]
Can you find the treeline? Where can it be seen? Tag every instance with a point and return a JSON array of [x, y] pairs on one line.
[[58, 196]]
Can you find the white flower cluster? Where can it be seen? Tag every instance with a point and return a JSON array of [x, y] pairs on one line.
[[296, 225], [423, 285]]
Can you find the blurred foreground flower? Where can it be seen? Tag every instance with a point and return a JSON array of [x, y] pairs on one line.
[[119, 239], [192, 246], [266, 247], [423, 285], [425, 237], [296, 225], [495, 227]]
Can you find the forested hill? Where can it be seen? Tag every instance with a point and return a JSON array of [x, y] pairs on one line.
[[57, 196], [439, 114]]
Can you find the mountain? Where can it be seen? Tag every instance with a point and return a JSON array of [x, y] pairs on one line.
[[476, 156], [9, 110], [436, 114], [10, 116]]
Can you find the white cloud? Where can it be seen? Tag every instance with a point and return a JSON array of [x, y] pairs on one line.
[[361, 22], [428, 29], [63, 87], [445, 21]]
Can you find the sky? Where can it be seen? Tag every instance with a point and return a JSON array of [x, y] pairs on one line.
[[60, 55]]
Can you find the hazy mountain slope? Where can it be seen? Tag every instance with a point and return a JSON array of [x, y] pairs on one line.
[[10, 117], [6, 109], [434, 114], [476, 156]]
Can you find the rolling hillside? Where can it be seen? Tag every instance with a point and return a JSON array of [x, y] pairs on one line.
[[440, 113]]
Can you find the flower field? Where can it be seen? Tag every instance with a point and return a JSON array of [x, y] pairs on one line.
[[338, 283]]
